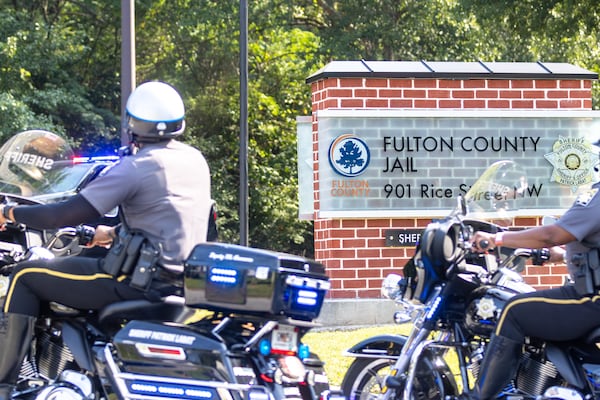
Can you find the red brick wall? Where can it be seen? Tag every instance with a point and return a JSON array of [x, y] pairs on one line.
[[353, 250]]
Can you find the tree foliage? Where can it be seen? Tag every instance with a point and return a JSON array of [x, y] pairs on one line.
[[57, 64], [392, 29], [60, 66]]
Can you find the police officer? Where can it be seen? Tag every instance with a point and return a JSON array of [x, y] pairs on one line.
[[527, 314], [162, 190]]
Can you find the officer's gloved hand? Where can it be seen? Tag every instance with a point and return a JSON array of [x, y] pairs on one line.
[[540, 256]]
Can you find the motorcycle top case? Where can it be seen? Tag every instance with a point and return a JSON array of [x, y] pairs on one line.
[[239, 278]]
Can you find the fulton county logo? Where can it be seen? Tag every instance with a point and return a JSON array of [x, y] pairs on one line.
[[348, 155], [573, 161]]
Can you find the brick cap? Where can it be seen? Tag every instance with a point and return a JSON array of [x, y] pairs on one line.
[[453, 113], [451, 70]]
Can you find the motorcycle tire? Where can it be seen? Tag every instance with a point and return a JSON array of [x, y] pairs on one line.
[[365, 377]]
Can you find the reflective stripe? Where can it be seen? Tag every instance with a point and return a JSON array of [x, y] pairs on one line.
[[51, 273], [541, 300]]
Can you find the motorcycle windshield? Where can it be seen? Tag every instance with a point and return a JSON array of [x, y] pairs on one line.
[[38, 163], [497, 195]]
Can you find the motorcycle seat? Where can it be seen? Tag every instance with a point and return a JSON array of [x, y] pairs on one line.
[[169, 309]]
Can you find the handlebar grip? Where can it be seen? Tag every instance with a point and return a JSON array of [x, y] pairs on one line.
[[540, 256], [85, 234]]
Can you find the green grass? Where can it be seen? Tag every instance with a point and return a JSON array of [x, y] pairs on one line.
[[329, 344]]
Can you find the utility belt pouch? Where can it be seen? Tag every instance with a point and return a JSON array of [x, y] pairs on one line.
[[586, 272], [123, 253], [146, 268], [594, 266], [116, 253], [133, 250]]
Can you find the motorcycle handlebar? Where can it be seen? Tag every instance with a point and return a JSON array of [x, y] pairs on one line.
[[538, 256], [83, 233], [511, 262]]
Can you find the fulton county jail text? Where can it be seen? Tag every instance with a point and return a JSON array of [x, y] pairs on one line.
[[432, 144], [414, 144], [468, 143]]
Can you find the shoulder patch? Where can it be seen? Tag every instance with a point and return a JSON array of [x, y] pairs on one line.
[[586, 197]]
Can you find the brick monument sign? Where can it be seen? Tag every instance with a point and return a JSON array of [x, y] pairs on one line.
[[393, 144]]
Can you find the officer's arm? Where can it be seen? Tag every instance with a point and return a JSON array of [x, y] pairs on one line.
[[73, 211], [534, 238]]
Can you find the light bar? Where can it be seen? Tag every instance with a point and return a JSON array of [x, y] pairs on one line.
[[170, 390], [221, 275], [307, 298], [256, 394], [83, 160]]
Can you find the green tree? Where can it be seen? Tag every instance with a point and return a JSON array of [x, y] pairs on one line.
[[196, 45], [551, 31], [57, 69], [457, 30], [391, 29]]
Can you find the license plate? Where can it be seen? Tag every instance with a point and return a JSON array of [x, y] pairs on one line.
[[284, 339]]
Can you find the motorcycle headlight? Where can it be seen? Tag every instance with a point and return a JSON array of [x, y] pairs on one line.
[[390, 288]]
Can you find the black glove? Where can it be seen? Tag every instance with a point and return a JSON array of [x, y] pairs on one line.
[[540, 256]]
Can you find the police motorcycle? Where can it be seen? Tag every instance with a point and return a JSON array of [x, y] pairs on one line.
[[245, 343], [235, 333], [453, 297]]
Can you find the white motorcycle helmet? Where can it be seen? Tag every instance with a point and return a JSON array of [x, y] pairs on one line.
[[155, 111]]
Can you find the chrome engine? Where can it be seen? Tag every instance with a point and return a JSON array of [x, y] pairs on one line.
[[47, 372], [533, 377], [70, 385]]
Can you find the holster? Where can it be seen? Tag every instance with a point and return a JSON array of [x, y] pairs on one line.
[[123, 253], [146, 269], [132, 254], [586, 272]]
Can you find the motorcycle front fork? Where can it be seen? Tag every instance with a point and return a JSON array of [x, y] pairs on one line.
[[415, 339], [403, 372]]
